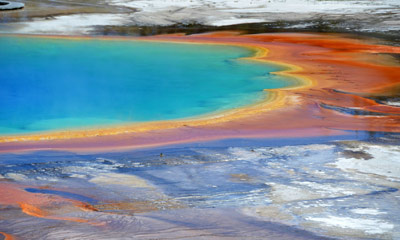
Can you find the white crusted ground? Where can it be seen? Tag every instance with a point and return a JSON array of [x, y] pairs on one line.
[[384, 161], [69, 24], [241, 11], [363, 15], [370, 226], [350, 190]]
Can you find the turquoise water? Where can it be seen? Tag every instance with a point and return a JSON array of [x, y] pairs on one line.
[[50, 84]]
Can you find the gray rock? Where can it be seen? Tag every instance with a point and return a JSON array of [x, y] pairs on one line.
[[5, 5]]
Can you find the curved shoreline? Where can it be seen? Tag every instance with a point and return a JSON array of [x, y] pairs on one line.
[[270, 101], [323, 63]]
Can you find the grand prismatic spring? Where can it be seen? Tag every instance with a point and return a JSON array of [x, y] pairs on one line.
[[218, 135], [110, 81]]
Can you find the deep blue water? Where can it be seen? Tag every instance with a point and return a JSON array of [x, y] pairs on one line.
[[50, 84]]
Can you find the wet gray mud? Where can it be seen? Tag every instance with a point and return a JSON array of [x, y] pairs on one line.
[[232, 189]]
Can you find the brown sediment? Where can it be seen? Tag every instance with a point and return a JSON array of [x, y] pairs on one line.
[[241, 177], [333, 77], [128, 207]]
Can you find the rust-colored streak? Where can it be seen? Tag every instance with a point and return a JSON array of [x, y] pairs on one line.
[[42, 205], [37, 212], [8, 236], [32, 210], [334, 75]]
